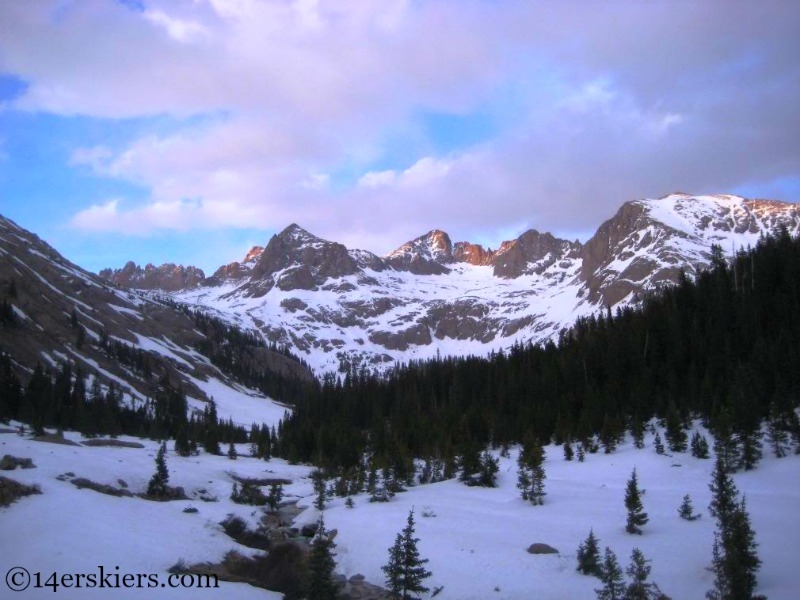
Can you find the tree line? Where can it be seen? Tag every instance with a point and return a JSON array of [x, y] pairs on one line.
[[721, 347]]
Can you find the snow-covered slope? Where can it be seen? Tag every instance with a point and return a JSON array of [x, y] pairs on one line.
[[474, 538], [336, 307], [133, 340]]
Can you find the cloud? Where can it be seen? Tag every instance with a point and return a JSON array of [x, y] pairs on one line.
[[309, 111]]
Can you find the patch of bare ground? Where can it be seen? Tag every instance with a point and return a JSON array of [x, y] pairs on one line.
[[112, 443], [11, 490]]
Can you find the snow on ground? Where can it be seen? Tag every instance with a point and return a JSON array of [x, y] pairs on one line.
[[71, 530], [242, 405], [475, 538]]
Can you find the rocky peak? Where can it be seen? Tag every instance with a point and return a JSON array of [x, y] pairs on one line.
[[473, 254], [532, 253], [297, 259], [168, 277], [238, 270], [425, 255]]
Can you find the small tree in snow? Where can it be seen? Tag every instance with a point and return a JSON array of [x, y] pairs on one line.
[[158, 483], [321, 585], [638, 571], [589, 556], [611, 576], [633, 502], [405, 570], [686, 510]]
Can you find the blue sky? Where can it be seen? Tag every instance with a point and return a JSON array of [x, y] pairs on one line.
[[189, 130]]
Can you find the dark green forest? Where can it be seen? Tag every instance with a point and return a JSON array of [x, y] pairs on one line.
[[724, 347]]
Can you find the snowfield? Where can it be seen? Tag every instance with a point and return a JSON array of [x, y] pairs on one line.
[[475, 538]]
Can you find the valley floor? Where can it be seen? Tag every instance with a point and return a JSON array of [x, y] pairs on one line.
[[475, 538]]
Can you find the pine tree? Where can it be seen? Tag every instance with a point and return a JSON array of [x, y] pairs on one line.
[[232, 454], [658, 444], [638, 571], [394, 568], [581, 453], [686, 510], [405, 570], [778, 429], [633, 503], [676, 436], [321, 585], [530, 474], [158, 483], [318, 480], [699, 445], [611, 576], [637, 431], [589, 556], [723, 495], [275, 495], [568, 452], [734, 558], [487, 476]]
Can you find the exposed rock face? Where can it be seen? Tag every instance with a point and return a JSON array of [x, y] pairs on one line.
[[237, 270], [295, 259], [426, 255], [353, 307], [472, 254], [168, 277], [63, 312], [532, 253]]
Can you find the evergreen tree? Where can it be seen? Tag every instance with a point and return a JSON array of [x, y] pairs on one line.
[[405, 570], [778, 429], [638, 571], [581, 453], [232, 454], [568, 452], [676, 436], [734, 558], [275, 495], [633, 503], [318, 479], [487, 476], [686, 510], [530, 473], [699, 445], [589, 556], [723, 495], [611, 576], [637, 431], [321, 585], [658, 444], [158, 483]]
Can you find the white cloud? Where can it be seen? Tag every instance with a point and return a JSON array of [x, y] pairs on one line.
[[633, 100]]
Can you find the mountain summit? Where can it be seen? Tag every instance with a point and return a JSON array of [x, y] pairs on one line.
[[339, 307]]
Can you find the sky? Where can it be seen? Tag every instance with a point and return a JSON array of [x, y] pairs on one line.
[[188, 131]]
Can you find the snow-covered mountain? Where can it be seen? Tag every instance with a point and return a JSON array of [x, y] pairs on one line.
[[62, 313], [334, 306]]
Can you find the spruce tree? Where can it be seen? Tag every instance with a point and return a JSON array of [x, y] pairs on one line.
[[637, 431], [699, 445], [686, 510], [633, 503], [734, 558], [158, 483], [658, 444], [723, 494], [638, 571], [581, 453], [232, 454], [589, 556], [778, 429], [611, 576], [321, 585], [405, 570], [568, 452]]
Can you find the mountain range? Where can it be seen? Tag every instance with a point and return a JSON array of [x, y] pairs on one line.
[[340, 308]]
